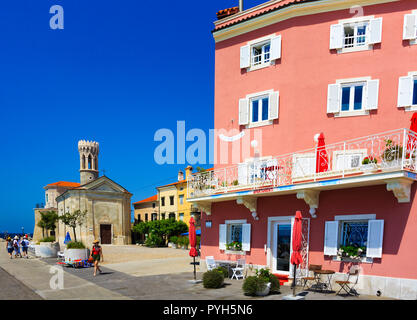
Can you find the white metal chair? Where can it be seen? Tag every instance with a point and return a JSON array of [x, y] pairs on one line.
[[61, 255], [239, 270], [352, 280], [211, 263]]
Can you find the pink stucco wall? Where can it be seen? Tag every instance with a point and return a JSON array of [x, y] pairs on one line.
[[400, 225], [304, 72], [302, 77]]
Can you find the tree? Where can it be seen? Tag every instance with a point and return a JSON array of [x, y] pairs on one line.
[[48, 221], [73, 220], [163, 229]]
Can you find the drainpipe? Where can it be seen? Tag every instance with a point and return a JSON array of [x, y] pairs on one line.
[[240, 5]]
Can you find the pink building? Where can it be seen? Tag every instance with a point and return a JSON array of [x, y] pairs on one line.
[[287, 71]]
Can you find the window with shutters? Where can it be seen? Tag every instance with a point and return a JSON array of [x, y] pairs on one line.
[[259, 109], [407, 92], [260, 53], [353, 97], [356, 34], [354, 237]]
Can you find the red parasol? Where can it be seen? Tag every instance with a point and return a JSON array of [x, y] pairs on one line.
[[322, 161], [193, 238], [193, 242], [296, 258], [412, 140]]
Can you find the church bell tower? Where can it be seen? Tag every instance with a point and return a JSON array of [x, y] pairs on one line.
[[88, 161]]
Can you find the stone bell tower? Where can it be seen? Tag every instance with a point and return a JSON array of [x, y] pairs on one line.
[[88, 161]]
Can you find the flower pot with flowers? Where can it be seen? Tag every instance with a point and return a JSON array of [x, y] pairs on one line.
[[369, 164], [410, 159], [234, 246], [392, 155], [351, 252]]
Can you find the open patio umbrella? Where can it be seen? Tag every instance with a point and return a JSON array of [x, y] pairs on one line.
[[322, 159], [296, 258], [67, 238], [193, 242], [412, 140]]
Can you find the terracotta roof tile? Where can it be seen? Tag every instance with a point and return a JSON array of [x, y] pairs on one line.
[[64, 184], [227, 12], [150, 199]]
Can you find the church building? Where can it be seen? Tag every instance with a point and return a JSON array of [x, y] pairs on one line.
[[107, 204]]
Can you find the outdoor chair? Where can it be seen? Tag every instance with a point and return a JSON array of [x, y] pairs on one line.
[[352, 280], [61, 255], [309, 278], [211, 263], [239, 270]]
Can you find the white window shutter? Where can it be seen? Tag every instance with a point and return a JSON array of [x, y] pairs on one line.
[[372, 95], [244, 57], [405, 92], [337, 34], [333, 98], [375, 27], [375, 238], [222, 236], [276, 47], [410, 27], [243, 112], [330, 238], [246, 237], [273, 105]]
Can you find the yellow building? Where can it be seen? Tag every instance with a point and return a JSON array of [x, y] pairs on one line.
[[173, 200]]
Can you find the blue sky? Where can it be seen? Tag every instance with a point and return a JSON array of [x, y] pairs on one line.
[[118, 72]]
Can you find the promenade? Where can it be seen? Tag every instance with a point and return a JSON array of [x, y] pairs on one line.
[[151, 274]]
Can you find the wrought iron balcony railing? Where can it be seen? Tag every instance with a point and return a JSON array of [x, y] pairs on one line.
[[384, 152]]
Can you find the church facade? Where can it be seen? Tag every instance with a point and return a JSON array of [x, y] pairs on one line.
[[106, 203]]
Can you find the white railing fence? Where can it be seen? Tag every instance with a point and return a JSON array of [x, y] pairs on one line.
[[388, 151]]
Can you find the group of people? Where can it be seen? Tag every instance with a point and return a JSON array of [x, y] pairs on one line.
[[18, 246]]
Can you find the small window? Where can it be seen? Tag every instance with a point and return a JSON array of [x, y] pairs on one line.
[[356, 34], [181, 199], [354, 233], [163, 216], [172, 215], [154, 217], [259, 109], [153, 205], [171, 200], [146, 217], [261, 53], [352, 96], [182, 216], [234, 233], [163, 201]]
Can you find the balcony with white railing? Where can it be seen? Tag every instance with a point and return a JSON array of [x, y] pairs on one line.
[[370, 160]]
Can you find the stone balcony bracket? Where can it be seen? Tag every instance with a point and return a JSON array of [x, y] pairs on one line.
[[250, 203], [204, 207], [311, 197], [401, 189]]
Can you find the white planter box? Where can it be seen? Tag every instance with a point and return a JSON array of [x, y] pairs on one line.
[[369, 167], [47, 249], [75, 254], [265, 292]]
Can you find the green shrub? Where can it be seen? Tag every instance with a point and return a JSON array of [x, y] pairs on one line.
[[223, 271], [186, 241], [213, 279], [154, 240], [253, 284], [269, 277], [173, 239], [48, 239], [75, 245]]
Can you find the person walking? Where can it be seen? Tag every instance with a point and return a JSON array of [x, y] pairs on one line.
[[16, 247], [96, 254], [25, 244], [9, 246]]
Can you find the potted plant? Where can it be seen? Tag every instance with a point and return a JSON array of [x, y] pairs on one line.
[[369, 163], [75, 250], [410, 158], [392, 155], [234, 246], [351, 252], [261, 284]]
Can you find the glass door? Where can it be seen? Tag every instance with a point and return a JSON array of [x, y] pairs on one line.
[[282, 254]]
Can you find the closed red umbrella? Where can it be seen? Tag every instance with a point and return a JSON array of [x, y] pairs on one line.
[[411, 144], [297, 236], [322, 161], [193, 242]]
